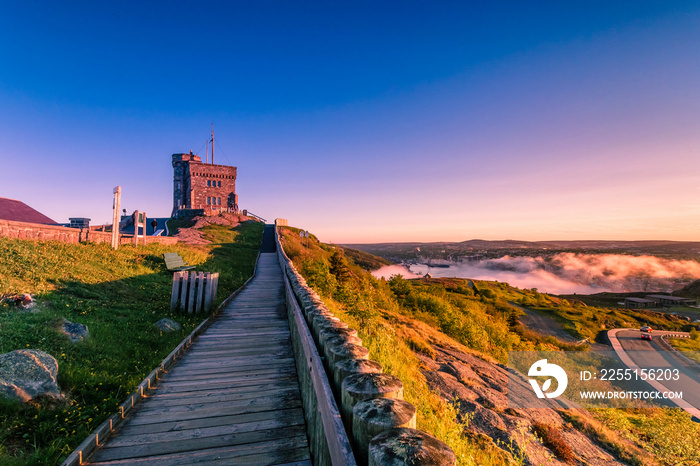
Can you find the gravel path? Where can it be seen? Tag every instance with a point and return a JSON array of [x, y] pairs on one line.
[[543, 324]]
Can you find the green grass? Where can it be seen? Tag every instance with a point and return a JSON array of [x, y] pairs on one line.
[[691, 346], [118, 295], [668, 433], [367, 261]]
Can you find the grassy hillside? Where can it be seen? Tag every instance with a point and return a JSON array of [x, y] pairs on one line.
[[119, 295], [402, 321], [365, 260]]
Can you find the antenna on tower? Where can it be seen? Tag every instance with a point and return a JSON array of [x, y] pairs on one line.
[[212, 143], [206, 160]]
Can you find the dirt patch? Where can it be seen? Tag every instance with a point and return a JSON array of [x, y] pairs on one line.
[[544, 325], [194, 235]]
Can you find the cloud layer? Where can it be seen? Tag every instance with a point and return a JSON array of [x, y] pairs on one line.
[[565, 273]]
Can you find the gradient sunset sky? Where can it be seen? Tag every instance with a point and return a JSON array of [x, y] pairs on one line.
[[364, 121]]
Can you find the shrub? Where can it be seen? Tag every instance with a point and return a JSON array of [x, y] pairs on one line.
[[694, 334], [400, 287], [551, 438]]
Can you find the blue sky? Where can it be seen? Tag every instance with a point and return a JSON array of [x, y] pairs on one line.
[[364, 121]]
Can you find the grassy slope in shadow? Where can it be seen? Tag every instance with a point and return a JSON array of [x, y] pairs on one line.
[[119, 295]]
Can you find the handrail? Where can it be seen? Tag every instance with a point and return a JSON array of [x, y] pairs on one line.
[[251, 214], [338, 449]]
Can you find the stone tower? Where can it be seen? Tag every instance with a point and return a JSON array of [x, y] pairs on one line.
[[202, 187]]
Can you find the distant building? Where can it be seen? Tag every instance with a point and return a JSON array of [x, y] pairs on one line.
[[638, 303], [79, 222], [667, 300], [202, 186], [18, 211]]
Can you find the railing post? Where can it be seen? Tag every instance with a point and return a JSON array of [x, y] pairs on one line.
[[183, 291], [215, 278], [190, 298], [177, 278]]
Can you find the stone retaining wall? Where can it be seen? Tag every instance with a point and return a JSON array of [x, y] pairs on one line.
[[36, 231], [379, 424]]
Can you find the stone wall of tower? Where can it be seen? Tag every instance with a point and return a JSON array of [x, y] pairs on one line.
[[181, 170], [198, 185], [212, 186]]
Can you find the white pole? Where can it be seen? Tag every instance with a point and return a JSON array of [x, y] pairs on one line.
[[115, 216]]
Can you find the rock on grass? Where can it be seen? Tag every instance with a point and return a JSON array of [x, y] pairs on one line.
[[27, 374], [167, 325]]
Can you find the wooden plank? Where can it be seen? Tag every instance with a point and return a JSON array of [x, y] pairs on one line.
[[218, 391], [215, 366], [273, 447], [278, 398], [177, 277], [242, 360], [215, 279], [250, 333], [213, 379], [155, 402], [209, 381], [275, 419], [183, 290], [275, 318], [199, 277], [161, 416], [191, 292], [200, 293], [273, 341], [232, 350], [106, 453], [194, 370], [282, 353], [233, 387], [207, 293]]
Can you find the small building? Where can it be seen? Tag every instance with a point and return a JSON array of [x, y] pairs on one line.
[[668, 300], [79, 222], [639, 303]]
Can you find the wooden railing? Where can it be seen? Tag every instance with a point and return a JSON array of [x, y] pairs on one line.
[[328, 441], [248, 213], [373, 417]]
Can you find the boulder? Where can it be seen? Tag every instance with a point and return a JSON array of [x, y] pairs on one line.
[[27, 374], [167, 325], [74, 331]]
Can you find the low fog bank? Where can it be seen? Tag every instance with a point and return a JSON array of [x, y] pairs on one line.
[[567, 273]]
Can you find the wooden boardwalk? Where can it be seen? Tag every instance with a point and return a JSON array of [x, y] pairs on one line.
[[233, 398]]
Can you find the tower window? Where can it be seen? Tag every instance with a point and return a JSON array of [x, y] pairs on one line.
[[219, 183]]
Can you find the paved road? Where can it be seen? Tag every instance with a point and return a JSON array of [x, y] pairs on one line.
[[634, 351]]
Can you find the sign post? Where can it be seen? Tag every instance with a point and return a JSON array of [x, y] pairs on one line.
[[115, 216], [139, 220]]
